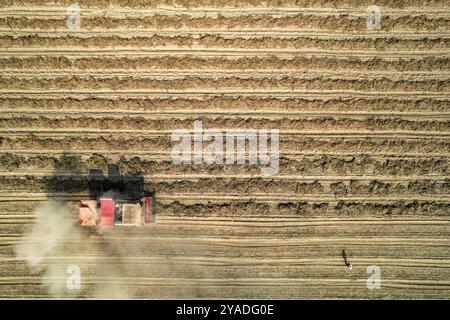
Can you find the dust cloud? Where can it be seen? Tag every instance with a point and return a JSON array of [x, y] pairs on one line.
[[56, 242]]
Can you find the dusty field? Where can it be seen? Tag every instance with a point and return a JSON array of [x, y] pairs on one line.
[[364, 120]]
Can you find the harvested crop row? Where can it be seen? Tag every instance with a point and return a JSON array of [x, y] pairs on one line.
[[298, 61], [304, 165], [130, 123], [232, 104], [349, 145], [247, 188], [271, 4], [209, 41], [189, 82], [206, 207], [342, 22], [271, 227]]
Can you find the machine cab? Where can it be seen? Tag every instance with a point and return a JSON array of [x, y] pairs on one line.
[[108, 212]]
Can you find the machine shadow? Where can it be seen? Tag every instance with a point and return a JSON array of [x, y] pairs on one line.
[[71, 180]]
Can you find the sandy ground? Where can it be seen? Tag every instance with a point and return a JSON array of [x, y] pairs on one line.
[[364, 121]]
